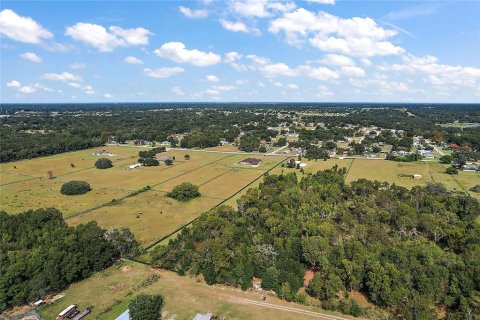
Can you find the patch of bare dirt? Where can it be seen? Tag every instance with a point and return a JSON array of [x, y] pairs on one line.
[[360, 298], [308, 277], [127, 268]]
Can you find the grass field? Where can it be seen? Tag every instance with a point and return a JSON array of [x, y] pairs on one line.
[[150, 215], [110, 291], [44, 193], [61, 164]]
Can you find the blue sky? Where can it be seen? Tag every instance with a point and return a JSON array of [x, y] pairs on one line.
[[248, 50]]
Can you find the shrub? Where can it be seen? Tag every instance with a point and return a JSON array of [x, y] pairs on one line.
[[150, 162], [451, 170], [446, 159], [103, 163], [262, 149], [184, 192], [75, 188], [476, 188], [146, 307]]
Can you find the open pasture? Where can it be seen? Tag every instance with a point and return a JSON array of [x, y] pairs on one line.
[[44, 193], [10, 178], [230, 183], [149, 215], [399, 173], [69, 162]]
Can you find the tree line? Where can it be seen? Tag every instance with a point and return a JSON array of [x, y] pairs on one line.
[[411, 252], [40, 254]]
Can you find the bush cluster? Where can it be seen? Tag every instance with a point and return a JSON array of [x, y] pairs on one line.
[[184, 192], [103, 163], [75, 188]]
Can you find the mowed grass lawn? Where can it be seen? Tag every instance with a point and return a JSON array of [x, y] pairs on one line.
[[111, 290]]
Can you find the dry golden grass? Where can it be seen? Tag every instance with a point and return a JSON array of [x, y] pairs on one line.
[[110, 291], [43, 193], [8, 178], [149, 215], [229, 183], [399, 173], [225, 148], [60, 164]]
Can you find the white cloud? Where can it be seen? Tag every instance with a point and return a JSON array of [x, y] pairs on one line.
[[14, 84], [178, 91], [281, 6], [64, 76], [132, 60], [177, 52], [108, 95], [234, 26], [273, 70], [278, 69], [366, 62], [74, 84], [352, 71], [337, 60], [165, 72], [27, 89], [232, 56], [258, 59], [380, 85], [23, 89], [42, 87], [23, 29], [223, 88], [435, 73], [250, 8], [105, 40], [216, 90], [194, 14], [212, 78], [292, 86], [77, 65], [88, 89], [32, 57], [320, 73], [363, 47], [322, 1], [323, 91], [355, 36]]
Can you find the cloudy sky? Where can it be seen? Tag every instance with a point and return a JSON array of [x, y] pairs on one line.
[[248, 50]]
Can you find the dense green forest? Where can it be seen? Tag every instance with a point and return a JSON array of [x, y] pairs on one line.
[[29, 134], [41, 254], [413, 253]]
